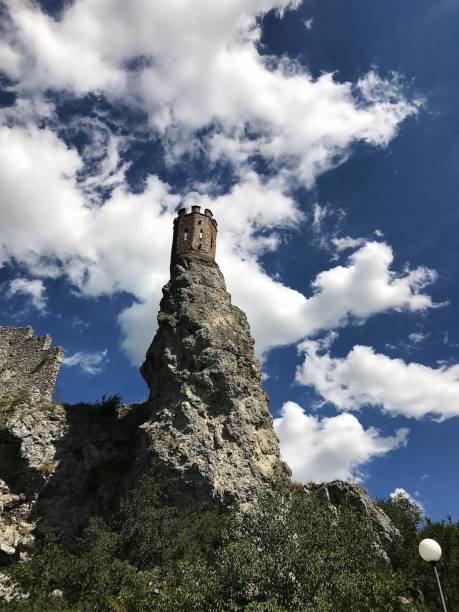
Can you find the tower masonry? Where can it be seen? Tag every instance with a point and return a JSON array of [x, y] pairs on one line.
[[195, 233]]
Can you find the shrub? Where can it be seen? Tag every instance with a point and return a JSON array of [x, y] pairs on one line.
[[289, 552]]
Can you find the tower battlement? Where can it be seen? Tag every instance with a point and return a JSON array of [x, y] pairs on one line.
[[195, 234]]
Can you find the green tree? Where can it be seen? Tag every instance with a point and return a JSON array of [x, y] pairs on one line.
[[418, 575], [290, 551]]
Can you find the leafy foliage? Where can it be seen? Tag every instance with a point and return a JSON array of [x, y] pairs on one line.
[[418, 575], [289, 552]]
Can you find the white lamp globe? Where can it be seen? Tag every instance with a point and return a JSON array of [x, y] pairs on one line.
[[430, 550]]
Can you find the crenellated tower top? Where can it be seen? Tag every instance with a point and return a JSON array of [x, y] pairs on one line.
[[195, 234]]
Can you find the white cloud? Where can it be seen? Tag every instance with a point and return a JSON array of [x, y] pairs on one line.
[[138, 324], [9, 60], [331, 447], [346, 242], [79, 324], [325, 224], [417, 337], [33, 289], [365, 286], [41, 208], [308, 23], [364, 377], [52, 227], [90, 363], [198, 66], [52, 222]]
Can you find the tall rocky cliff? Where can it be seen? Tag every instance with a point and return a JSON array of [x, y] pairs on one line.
[[206, 422], [209, 421]]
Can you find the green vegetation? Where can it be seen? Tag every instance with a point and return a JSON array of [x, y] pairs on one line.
[[418, 575], [7, 403], [290, 553], [108, 407]]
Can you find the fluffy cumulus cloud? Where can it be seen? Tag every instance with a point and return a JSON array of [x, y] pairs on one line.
[[34, 290], [123, 244], [362, 287], [188, 67], [366, 378], [191, 66], [41, 206], [90, 363], [280, 315], [322, 449], [46, 219]]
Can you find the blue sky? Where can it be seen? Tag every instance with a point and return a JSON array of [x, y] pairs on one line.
[[323, 135]]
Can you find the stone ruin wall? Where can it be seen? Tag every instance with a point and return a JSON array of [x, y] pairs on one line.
[[28, 365]]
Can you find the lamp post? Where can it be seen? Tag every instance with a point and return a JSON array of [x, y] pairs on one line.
[[430, 551]]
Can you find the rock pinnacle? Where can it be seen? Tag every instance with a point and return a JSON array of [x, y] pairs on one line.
[[209, 422]]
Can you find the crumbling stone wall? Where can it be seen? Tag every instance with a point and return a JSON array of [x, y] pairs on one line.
[[59, 464], [28, 365]]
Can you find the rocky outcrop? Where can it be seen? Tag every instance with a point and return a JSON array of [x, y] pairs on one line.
[[206, 422], [61, 464], [209, 421], [58, 464], [27, 459], [92, 468], [10, 591], [15, 527], [339, 492], [30, 428]]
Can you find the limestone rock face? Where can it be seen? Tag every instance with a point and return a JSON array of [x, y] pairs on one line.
[[58, 464], [15, 529], [338, 492], [30, 428], [209, 421]]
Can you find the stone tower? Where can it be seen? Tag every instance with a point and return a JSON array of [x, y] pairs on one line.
[[195, 233], [209, 423]]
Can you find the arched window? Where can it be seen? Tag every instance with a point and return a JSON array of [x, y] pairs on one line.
[[185, 235], [200, 235]]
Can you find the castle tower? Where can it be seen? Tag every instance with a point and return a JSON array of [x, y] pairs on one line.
[[195, 233], [209, 424]]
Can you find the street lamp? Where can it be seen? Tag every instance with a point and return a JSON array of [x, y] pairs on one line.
[[430, 551]]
